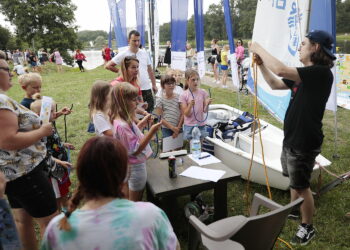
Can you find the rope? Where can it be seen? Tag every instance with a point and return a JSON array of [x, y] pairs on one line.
[[257, 120], [194, 113]]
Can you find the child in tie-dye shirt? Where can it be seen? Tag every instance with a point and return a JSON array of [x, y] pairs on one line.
[[106, 220]]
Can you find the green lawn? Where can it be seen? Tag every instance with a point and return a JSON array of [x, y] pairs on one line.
[[73, 87]]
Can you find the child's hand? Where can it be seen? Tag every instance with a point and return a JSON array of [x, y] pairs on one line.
[[65, 111], [175, 130], [208, 101], [64, 164], [69, 146], [144, 121], [192, 103], [156, 126], [175, 134]]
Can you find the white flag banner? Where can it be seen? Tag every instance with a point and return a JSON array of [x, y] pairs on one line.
[[156, 32], [234, 70], [178, 60], [201, 63], [280, 26]]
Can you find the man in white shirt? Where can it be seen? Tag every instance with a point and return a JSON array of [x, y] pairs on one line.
[[146, 72], [19, 69]]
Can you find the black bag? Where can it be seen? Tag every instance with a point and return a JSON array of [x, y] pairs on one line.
[[218, 57]]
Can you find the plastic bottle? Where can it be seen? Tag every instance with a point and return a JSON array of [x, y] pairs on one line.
[[196, 143]]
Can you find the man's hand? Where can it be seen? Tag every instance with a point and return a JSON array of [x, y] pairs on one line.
[[155, 89]]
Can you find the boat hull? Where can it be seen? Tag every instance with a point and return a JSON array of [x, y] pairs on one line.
[[236, 153]]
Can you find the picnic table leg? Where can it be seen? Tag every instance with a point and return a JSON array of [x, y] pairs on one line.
[[220, 201]]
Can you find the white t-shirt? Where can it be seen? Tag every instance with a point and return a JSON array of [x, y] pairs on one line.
[[144, 61], [101, 123], [19, 69]]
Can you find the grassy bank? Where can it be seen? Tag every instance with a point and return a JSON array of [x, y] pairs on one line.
[[73, 87]]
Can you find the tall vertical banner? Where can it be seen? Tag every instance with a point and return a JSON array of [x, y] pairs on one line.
[[140, 19], [121, 5], [343, 80], [110, 35], [199, 23], [232, 56], [120, 37], [322, 17], [156, 32], [179, 13], [286, 22]]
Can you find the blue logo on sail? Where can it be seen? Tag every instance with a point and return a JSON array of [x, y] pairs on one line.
[[294, 28]]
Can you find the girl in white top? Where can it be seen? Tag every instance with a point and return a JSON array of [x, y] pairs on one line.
[[99, 107]]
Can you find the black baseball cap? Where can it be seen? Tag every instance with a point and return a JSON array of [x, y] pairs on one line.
[[324, 39]]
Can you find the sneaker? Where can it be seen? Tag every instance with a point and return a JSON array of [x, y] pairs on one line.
[[294, 215], [304, 235]]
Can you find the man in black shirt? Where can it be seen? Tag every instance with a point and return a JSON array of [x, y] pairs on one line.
[[311, 86]]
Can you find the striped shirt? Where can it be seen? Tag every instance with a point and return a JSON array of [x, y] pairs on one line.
[[170, 109]]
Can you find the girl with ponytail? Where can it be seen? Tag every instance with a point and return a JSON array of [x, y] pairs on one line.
[[106, 220]]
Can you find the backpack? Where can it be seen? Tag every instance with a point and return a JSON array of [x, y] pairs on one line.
[[218, 57]]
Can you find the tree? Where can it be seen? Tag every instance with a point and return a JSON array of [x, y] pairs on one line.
[[47, 23], [214, 23], [5, 37], [91, 35], [164, 33], [343, 16]]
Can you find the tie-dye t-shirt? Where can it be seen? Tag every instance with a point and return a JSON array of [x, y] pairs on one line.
[[120, 224]]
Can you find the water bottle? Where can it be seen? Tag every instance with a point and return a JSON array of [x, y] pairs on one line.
[[196, 143]]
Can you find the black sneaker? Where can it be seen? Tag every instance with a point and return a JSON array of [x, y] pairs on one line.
[[294, 215], [304, 235]]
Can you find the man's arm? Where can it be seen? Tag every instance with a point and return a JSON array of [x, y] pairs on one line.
[[272, 64], [153, 79], [112, 66]]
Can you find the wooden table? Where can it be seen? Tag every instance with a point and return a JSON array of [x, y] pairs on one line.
[[159, 185]]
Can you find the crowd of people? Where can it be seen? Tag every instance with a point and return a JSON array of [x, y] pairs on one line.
[[106, 209]]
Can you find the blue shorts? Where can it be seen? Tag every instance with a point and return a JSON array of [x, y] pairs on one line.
[[167, 132], [224, 67], [138, 177], [188, 132]]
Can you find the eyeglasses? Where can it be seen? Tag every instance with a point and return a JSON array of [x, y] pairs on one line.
[[6, 69]]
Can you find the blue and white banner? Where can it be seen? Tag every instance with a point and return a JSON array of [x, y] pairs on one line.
[[232, 56], [110, 35], [322, 17], [179, 13], [121, 4], [156, 31], [286, 22], [120, 34], [140, 19], [199, 23]]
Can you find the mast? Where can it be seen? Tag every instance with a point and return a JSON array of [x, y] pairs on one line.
[[151, 30]]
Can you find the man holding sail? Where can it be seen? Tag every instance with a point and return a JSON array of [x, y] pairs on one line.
[[303, 137]]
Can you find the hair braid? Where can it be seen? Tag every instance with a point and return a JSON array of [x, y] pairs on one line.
[[72, 205]]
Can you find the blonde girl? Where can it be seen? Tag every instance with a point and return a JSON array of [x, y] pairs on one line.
[[194, 103], [224, 65], [99, 107], [123, 107]]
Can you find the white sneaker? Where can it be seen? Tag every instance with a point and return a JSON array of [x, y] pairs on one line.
[[224, 86]]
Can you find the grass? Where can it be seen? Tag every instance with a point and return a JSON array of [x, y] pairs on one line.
[[73, 87]]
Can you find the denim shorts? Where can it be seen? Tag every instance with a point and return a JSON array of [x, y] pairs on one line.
[[188, 132], [298, 166], [167, 132], [138, 177], [224, 67]]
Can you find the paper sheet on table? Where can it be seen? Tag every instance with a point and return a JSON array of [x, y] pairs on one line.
[[170, 143], [203, 173], [205, 161]]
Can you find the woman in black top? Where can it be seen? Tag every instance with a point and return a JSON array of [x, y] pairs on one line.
[[215, 49], [167, 57]]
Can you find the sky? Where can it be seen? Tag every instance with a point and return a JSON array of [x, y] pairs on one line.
[[94, 14]]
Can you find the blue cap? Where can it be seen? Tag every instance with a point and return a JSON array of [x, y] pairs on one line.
[[324, 39]]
